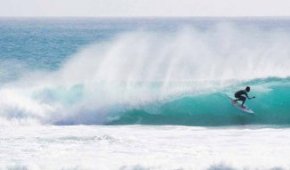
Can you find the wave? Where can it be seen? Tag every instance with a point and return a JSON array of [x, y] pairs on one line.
[[271, 107], [158, 78]]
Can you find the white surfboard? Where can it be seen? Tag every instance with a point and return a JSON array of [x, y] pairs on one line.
[[239, 106]]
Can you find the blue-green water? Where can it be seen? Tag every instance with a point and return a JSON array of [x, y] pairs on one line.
[[271, 108], [144, 71]]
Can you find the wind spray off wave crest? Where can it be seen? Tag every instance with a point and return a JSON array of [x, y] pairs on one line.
[[223, 53], [139, 68]]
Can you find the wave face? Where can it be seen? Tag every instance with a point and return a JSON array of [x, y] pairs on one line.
[[271, 107], [156, 75]]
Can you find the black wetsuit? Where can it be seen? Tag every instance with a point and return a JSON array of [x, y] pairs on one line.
[[241, 95]]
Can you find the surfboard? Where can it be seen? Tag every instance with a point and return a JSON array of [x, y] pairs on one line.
[[239, 106]]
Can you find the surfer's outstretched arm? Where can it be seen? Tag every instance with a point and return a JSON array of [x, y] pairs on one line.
[[249, 97]]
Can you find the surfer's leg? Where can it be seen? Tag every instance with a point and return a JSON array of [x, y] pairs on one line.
[[243, 99], [237, 98]]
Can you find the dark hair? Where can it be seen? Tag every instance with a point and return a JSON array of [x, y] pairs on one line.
[[248, 88]]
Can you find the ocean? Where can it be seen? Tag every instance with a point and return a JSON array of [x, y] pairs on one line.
[[144, 93]]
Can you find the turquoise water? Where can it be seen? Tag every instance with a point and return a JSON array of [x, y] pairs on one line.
[[271, 108], [144, 71]]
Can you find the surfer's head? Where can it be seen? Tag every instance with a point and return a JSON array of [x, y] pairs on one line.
[[248, 88]]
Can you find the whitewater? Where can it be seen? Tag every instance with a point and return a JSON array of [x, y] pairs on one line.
[[87, 93]]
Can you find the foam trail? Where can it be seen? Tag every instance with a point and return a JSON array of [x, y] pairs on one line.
[[140, 68]]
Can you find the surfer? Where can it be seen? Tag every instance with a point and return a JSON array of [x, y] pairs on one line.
[[242, 95]]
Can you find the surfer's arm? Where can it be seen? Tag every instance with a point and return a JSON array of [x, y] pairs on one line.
[[246, 94], [249, 97]]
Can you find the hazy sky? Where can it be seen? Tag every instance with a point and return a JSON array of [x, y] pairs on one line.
[[132, 8]]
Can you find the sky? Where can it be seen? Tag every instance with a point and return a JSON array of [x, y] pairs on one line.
[[143, 8]]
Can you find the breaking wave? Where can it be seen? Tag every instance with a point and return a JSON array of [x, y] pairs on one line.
[[148, 77]]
